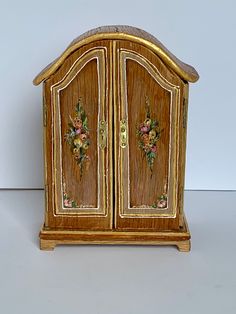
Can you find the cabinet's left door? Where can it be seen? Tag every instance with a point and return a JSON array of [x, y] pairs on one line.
[[78, 130]]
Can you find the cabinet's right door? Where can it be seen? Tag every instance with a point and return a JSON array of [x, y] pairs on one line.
[[149, 146]]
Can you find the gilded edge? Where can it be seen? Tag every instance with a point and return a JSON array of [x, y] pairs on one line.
[[116, 108], [191, 76], [110, 131]]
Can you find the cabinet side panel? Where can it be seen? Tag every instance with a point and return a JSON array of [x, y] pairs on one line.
[[47, 136], [182, 159]]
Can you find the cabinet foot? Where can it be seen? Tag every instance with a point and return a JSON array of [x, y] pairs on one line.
[[184, 246], [47, 245]]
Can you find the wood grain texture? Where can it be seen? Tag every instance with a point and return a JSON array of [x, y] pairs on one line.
[[117, 32], [49, 238]]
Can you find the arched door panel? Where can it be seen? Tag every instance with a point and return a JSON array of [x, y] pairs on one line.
[[147, 140], [80, 146]]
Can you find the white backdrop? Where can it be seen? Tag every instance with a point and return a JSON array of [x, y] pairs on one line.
[[201, 33]]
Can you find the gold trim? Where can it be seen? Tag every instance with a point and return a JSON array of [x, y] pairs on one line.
[[185, 109], [44, 111], [46, 197], [110, 137], [185, 71], [115, 83]]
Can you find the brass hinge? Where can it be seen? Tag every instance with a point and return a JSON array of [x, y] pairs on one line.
[[123, 133], [185, 112], [102, 134]]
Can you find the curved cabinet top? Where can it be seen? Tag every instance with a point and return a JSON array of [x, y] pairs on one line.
[[185, 71]]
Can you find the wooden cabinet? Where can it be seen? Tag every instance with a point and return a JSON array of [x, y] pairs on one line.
[[115, 110]]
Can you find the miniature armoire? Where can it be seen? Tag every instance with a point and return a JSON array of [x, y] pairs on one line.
[[115, 117]]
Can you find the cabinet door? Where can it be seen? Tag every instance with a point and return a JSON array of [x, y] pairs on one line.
[[147, 141], [78, 146]]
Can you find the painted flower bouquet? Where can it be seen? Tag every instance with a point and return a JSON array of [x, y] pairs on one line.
[[77, 136], [68, 203], [161, 202], [148, 133]]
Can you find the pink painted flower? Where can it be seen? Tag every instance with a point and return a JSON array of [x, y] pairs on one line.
[[145, 128], [78, 131], [66, 202], [154, 149], [83, 136], [77, 123], [162, 204]]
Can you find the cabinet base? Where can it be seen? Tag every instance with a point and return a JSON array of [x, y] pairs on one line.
[[49, 238]]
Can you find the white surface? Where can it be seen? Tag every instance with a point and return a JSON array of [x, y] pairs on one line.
[[116, 279], [201, 33]]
